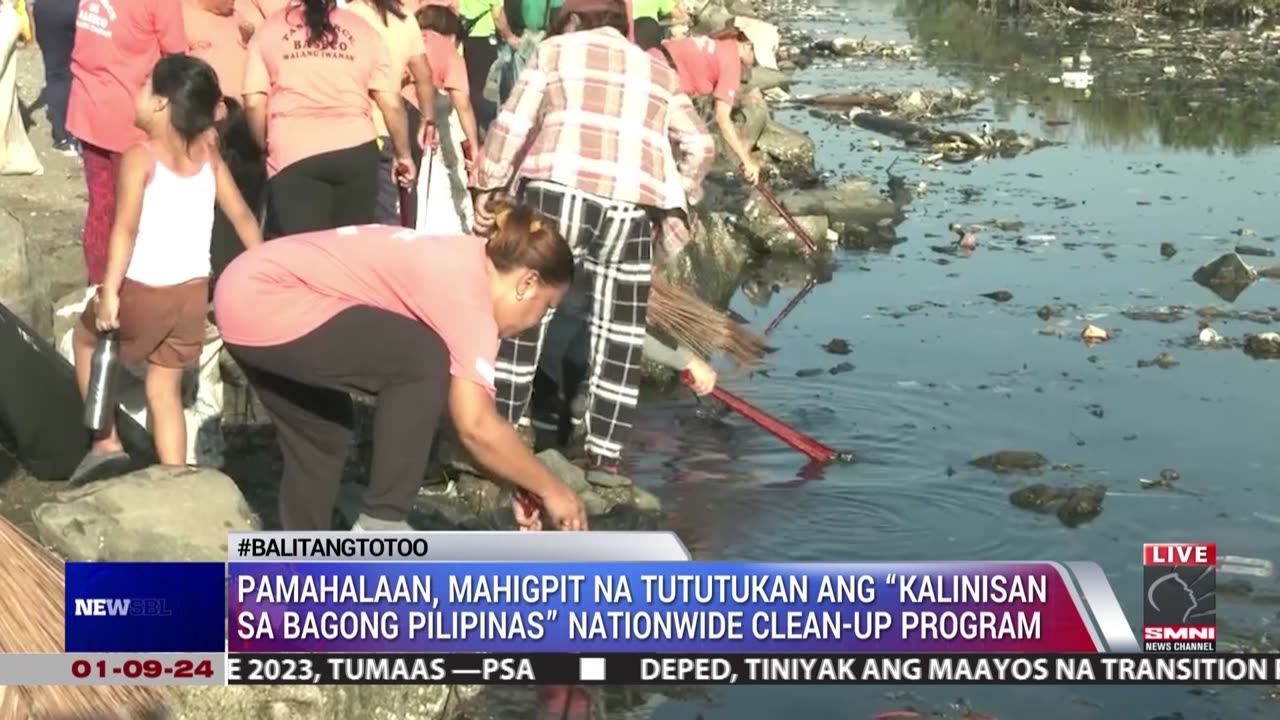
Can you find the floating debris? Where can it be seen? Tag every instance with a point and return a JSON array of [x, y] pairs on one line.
[[1164, 361], [1094, 334], [1010, 461]]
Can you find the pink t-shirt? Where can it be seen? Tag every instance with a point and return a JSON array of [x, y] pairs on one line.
[[218, 40], [707, 67], [292, 285], [116, 46], [448, 70], [255, 11], [317, 98]]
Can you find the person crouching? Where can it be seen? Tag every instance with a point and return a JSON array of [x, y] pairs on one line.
[[412, 318]]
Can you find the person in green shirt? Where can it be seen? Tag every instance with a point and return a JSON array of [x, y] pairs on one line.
[[537, 15], [483, 23]]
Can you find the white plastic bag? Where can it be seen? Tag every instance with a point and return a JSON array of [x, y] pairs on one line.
[[17, 157], [202, 389]]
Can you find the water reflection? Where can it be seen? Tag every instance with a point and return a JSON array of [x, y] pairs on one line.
[[1158, 88]]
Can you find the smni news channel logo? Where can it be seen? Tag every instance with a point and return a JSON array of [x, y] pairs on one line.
[[122, 607], [1180, 601]]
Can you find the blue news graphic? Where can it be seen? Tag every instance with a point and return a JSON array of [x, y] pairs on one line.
[[146, 607]]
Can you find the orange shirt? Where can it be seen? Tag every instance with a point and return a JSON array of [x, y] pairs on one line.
[[217, 40], [117, 44], [448, 69], [403, 40], [317, 98], [293, 285], [706, 66]]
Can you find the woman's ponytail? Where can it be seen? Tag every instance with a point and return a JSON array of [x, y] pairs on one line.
[[320, 29]]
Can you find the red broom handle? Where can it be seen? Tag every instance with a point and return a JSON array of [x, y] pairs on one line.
[[792, 305], [809, 244], [787, 434], [406, 208]]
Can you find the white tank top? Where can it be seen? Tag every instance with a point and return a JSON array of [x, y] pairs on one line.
[[174, 230]]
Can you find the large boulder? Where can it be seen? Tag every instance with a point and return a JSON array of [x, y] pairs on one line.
[[152, 515], [22, 289], [202, 385], [861, 217], [1227, 276], [788, 150], [769, 232], [712, 263]]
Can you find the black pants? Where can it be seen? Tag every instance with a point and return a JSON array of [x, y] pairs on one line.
[[55, 23], [304, 386], [225, 244], [324, 191], [480, 54]]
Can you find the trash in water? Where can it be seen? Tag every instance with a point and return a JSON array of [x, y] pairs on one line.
[[1044, 238], [1093, 333], [1254, 567], [1077, 80], [1209, 336]]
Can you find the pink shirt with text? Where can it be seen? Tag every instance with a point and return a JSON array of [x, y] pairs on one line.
[[116, 46], [317, 96]]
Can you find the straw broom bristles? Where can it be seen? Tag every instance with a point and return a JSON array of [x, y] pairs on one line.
[[699, 326], [32, 619]]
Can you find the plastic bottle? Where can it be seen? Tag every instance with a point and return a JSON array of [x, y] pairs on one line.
[[99, 401]]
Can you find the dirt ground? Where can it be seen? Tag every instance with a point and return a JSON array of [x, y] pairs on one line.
[[50, 206], [51, 209]]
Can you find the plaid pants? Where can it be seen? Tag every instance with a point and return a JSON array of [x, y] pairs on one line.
[[613, 244]]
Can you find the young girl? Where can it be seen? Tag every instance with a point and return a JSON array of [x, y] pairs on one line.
[[443, 202], [155, 291]]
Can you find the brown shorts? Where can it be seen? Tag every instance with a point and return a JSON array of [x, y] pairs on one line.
[[161, 325]]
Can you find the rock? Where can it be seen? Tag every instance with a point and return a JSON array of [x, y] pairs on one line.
[[1254, 251], [999, 296], [23, 289], [1264, 346], [790, 151], [1010, 461], [837, 346], [599, 478], [1227, 276], [853, 203], [1164, 361], [770, 233], [155, 514], [569, 474], [1037, 498], [839, 368], [1167, 250], [711, 265], [762, 78], [711, 18], [333, 702], [1082, 505]]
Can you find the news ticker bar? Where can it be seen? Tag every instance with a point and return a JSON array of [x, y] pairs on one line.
[[637, 669], [454, 547]]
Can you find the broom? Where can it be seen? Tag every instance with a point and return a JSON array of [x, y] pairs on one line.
[[699, 326], [33, 586]]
